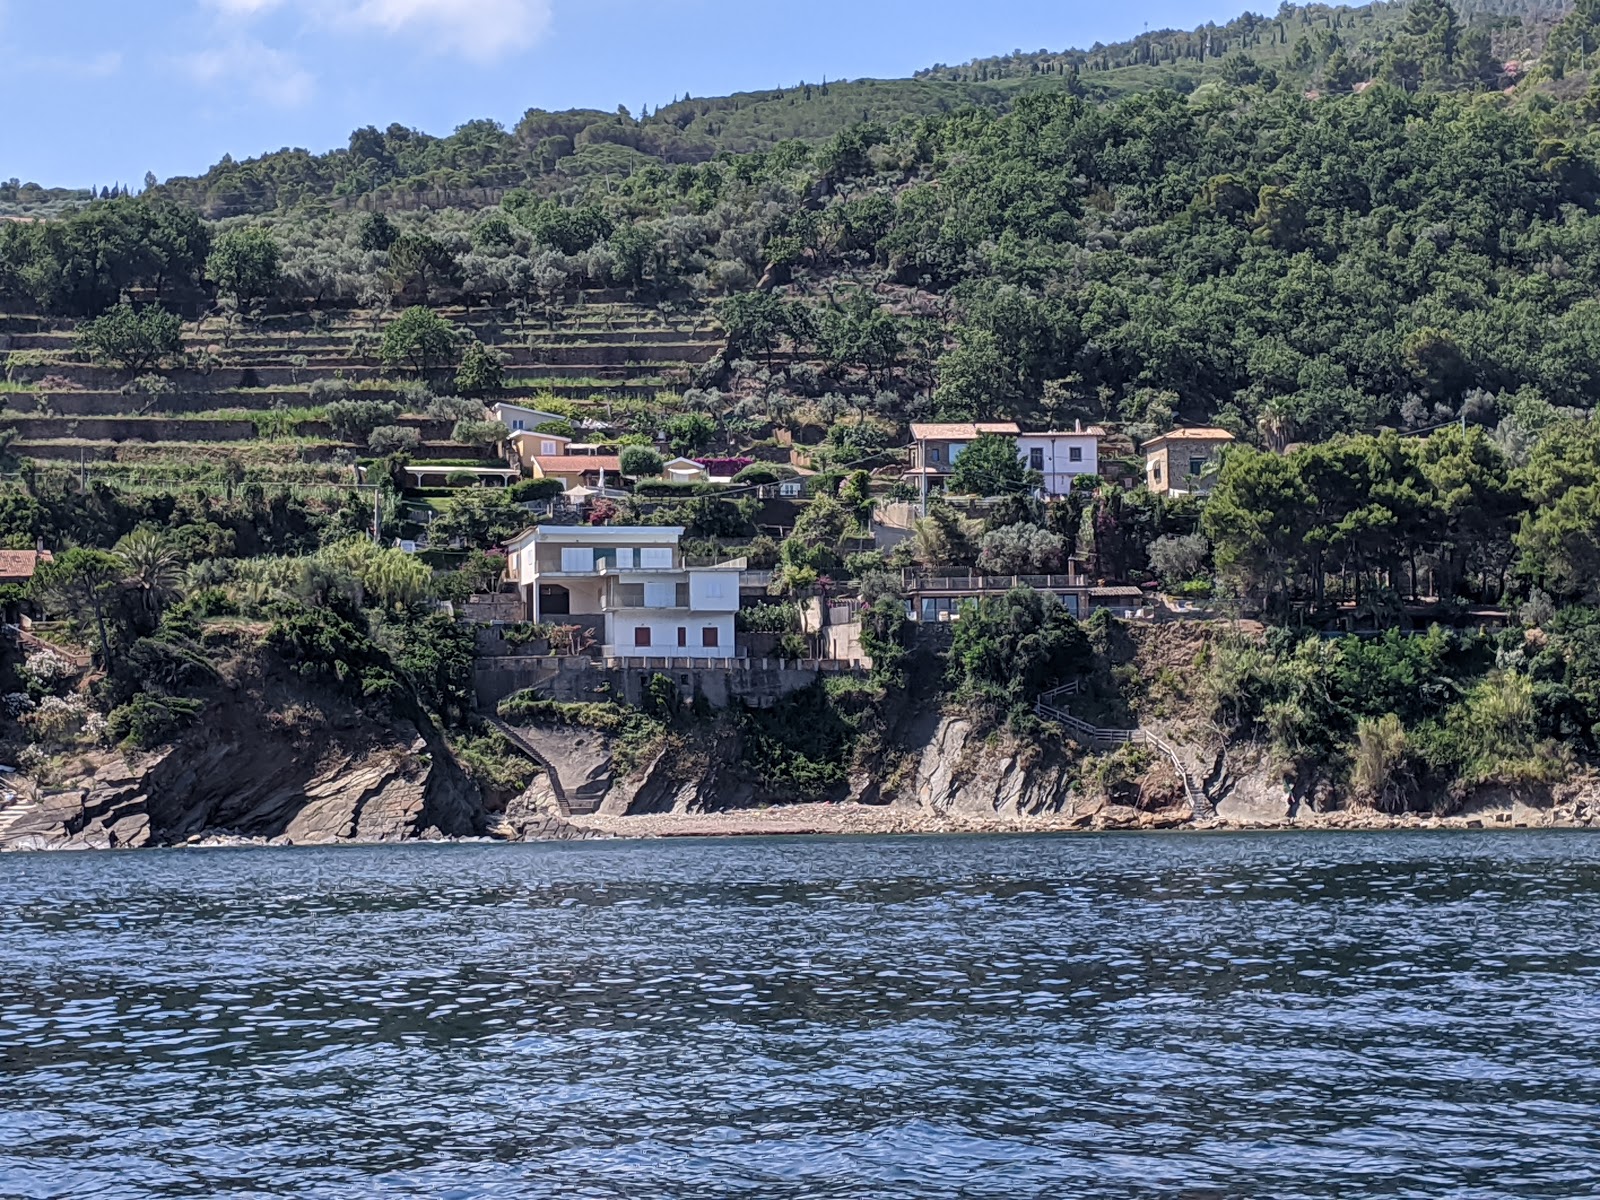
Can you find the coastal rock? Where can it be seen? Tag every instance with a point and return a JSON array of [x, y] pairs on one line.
[[962, 771], [263, 764]]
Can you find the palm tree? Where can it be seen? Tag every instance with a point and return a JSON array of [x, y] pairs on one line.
[[151, 567]]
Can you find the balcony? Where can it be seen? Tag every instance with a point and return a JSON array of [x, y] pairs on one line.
[[985, 585]]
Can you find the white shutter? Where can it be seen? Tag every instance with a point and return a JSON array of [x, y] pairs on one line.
[[577, 559]]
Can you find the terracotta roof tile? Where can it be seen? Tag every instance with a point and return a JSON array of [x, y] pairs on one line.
[[577, 464]]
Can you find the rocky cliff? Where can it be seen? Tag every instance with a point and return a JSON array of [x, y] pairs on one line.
[[268, 758]]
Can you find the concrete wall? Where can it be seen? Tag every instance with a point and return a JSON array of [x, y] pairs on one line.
[[759, 683]]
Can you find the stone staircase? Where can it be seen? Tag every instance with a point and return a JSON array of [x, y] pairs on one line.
[[570, 804], [1050, 707]]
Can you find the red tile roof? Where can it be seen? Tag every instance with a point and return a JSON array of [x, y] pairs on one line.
[[18, 566], [578, 464], [961, 431]]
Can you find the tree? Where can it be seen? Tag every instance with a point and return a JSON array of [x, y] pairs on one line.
[[376, 232], [989, 466], [1009, 649], [973, 379], [755, 322], [437, 655], [80, 581], [355, 420], [482, 371], [393, 439], [641, 462], [152, 567], [245, 264], [418, 263], [1021, 550], [478, 433], [1177, 558], [688, 432], [419, 339], [133, 339]]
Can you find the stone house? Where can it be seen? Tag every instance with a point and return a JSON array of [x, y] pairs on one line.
[[1175, 464]]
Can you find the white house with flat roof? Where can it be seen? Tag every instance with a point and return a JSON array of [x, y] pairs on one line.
[[655, 604]]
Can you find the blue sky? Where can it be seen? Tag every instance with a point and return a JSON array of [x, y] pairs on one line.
[[100, 91]]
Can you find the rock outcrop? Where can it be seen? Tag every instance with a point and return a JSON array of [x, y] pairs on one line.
[[265, 761]]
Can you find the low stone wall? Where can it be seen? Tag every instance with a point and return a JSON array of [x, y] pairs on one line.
[[757, 682], [130, 429]]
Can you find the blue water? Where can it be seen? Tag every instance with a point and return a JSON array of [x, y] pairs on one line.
[[1288, 1015]]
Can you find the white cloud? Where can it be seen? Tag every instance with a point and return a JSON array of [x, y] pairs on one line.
[[482, 30], [266, 74]]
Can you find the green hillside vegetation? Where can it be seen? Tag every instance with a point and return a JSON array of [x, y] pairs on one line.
[[1328, 48]]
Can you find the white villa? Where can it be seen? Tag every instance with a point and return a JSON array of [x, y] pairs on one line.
[[654, 604], [1061, 456]]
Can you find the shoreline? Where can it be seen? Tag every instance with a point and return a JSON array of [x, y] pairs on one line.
[[861, 820]]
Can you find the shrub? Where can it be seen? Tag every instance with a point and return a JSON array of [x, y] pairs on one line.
[[331, 391], [354, 420], [393, 439], [768, 618], [148, 721], [537, 489], [667, 489], [1382, 775]]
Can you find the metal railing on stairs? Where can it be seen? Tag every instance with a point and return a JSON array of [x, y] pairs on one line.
[[1095, 737]]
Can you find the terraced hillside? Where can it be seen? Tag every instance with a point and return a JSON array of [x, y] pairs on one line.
[[249, 401]]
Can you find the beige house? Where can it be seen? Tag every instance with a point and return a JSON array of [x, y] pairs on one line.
[[577, 470], [935, 446], [1175, 464]]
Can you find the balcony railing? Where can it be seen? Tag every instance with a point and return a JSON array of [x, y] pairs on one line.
[[988, 584]]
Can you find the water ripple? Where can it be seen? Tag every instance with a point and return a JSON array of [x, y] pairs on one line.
[[1288, 1016]]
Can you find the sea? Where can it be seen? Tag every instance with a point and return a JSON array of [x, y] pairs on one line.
[[1195, 1016]]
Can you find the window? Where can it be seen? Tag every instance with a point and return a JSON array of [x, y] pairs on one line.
[[935, 454], [625, 558], [1074, 453], [1036, 458], [661, 595], [1196, 465], [549, 448], [576, 560], [516, 426], [683, 636], [1155, 472], [654, 557], [709, 636], [641, 636]]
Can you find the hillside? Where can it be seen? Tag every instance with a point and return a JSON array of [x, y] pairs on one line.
[[1314, 46]]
